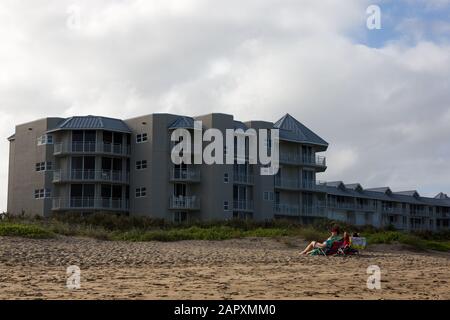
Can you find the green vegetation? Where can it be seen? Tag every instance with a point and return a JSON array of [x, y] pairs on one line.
[[106, 226], [24, 230]]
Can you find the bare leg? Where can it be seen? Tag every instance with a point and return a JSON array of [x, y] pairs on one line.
[[309, 247]]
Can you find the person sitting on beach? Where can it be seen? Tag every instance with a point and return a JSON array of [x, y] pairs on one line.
[[346, 240], [327, 243]]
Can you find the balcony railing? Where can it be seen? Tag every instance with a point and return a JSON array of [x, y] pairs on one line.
[[91, 175], [298, 159], [299, 185], [184, 202], [188, 174], [293, 210], [246, 205], [116, 204], [286, 209], [342, 205], [91, 147], [365, 207], [243, 178]]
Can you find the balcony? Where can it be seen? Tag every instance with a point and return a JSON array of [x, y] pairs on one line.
[[185, 175], [286, 209], [243, 205], [295, 211], [184, 203], [243, 178], [110, 204], [293, 184], [298, 159], [342, 205], [111, 176], [91, 148]]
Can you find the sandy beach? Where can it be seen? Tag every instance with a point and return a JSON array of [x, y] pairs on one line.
[[251, 268]]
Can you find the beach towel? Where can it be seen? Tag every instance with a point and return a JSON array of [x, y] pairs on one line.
[[359, 243]]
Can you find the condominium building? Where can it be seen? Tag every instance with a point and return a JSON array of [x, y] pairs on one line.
[[88, 164]]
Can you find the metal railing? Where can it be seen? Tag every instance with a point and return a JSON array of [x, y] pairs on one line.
[[246, 205], [243, 178], [299, 185], [90, 203], [91, 147], [188, 174], [91, 175], [184, 202], [294, 210], [298, 159], [286, 209]]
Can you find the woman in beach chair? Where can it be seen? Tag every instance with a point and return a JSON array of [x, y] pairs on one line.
[[316, 247]]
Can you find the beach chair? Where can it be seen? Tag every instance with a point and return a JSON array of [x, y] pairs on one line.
[[329, 250], [356, 244]]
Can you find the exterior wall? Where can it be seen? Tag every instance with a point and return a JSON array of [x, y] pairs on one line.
[[23, 177]]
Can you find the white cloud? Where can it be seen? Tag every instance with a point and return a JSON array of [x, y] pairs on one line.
[[387, 108]]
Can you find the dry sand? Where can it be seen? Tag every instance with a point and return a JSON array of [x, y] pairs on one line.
[[233, 269]]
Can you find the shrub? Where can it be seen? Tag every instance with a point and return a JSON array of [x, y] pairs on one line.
[[24, 230]]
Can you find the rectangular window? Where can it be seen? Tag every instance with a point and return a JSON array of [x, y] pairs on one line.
[[268, 196], [226, 178], [42, 166], [42, 193], [142, 137], [225, 206], [179, 217], [45, 139], [141, 192], [141, 164]]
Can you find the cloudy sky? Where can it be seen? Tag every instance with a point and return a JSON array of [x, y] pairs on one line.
[[381, 98]]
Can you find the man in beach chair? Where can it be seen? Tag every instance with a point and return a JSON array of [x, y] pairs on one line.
[[316, 247]]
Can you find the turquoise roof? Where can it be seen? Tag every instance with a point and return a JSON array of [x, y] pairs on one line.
[[182, 122], [92, 123], [292, 130]]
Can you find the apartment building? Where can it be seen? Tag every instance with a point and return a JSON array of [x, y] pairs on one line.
[[91, 163]]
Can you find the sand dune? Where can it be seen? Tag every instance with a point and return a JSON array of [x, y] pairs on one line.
[[232, 269]]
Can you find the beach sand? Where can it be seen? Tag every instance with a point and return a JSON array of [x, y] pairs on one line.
[[251, 268]]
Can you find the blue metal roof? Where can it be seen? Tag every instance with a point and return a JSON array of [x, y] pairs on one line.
[[385, 194], [292, 130], [182, 122], [239, 125], [92, 123]]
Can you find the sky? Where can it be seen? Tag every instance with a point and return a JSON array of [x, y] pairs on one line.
[[379, 97]]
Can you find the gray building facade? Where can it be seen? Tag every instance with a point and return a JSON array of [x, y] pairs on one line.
[[90, 163]]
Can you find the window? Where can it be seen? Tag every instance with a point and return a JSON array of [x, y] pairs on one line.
[[42, 193], [45, 139], [40, 166], [43, 166], [179, 217], [225, 206], [268, 196], [141, 164], [142, 137], [226, 178], [141, 192]]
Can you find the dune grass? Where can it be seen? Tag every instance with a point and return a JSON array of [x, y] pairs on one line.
[[24, 230], [122, 228]]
